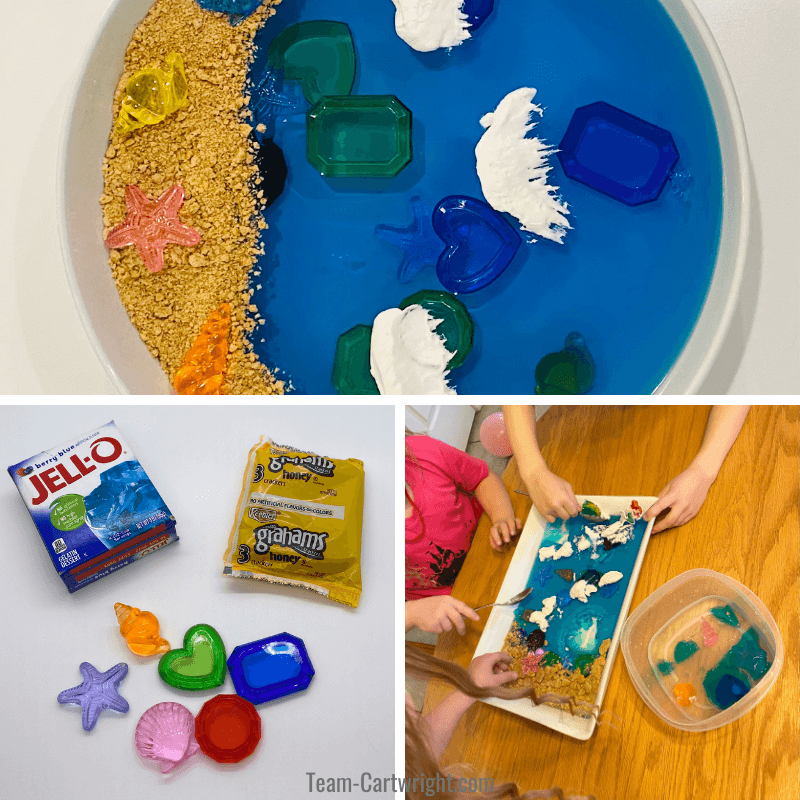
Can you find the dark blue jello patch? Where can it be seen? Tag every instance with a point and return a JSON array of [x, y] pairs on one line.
[[270, 668]]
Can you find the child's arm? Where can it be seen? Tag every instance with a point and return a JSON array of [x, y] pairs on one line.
[[494, 500], [438, 614], [552, 496], [685, 494], [487, 670]]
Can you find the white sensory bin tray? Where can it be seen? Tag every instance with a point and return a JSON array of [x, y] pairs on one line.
[[502, 617]]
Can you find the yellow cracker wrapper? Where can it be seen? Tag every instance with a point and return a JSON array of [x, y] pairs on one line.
[[298, 522]]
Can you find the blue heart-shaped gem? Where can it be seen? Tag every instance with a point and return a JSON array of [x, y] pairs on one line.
[[480, 243]]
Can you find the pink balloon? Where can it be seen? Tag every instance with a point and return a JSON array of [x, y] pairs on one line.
[[494, 437]]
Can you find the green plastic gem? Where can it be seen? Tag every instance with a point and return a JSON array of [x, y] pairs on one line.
[[319, 54], [456, 326], [584, 663], [727, 615], [363, 136], [199, 665], [685, 649], [569, 371], [351, 373], [664, 667], [549, 659]]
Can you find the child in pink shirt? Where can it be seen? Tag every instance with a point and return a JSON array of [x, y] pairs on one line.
[[446, 492]]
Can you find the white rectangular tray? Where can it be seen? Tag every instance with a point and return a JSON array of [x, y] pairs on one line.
[[502, 617]]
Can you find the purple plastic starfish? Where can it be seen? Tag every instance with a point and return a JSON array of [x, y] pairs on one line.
[[98, 692]]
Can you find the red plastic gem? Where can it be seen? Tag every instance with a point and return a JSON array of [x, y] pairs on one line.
[[151, 225], [228, 728]]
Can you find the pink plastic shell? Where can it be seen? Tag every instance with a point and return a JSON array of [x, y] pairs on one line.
[[165, 733]]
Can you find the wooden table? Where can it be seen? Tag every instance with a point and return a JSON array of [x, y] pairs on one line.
[[747, 529]]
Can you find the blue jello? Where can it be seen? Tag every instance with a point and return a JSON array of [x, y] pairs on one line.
[[480, 243], [617, 154], [270, 668]]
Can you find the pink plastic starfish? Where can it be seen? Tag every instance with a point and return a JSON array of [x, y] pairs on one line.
[[152, 225], [531, 662]]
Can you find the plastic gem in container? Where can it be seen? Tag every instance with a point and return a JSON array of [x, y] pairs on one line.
[[203, 369], [569, 371], [456, 325], [151, 225], [199, 665], [480, 243], [351, 373], [270, 668], [710, 636], [319, 54], [140, 629], [98, 692], [228, 728], [726, 614], [152, 94], [364, 136], [685, 694], [165, 733], [477, 12], [272, 171], [684, 650], [238, 9], [421, 245], [617, 154]]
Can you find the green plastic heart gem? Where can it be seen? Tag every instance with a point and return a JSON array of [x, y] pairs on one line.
[[199, 665], [684, 650], [319, 54]]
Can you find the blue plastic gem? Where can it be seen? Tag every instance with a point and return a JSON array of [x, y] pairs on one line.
[[544, 574], [238, 9], [98, 692], [569, 371], [421, 245], [609, 589], [270, 668], [729, 690], [477, 12], [480, 243], [563, 598], [617, 154]]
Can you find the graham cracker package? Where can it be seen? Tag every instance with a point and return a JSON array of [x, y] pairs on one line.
[[298, 522]]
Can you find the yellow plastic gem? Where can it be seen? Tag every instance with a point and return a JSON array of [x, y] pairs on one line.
[[203, 367], [152, 94]]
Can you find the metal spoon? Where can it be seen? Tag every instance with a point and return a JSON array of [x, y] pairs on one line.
[[517, 598]]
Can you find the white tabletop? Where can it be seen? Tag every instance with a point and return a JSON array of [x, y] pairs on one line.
[[44, 349], [339, 727]]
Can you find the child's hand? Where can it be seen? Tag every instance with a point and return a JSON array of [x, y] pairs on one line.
[[503, 530], [552, 496], [440, 614], [491, 669], [684, 495]]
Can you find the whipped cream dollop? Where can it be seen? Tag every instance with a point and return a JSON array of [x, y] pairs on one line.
[[540, 618], [555, 552], [428, 25], [581, 590], [406, 354], [513, 169]]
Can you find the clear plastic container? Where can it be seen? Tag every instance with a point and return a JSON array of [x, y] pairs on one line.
[[675, 615]]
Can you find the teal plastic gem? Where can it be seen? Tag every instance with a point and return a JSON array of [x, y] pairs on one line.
[[319, 54], [726, 614], [569, 371], [664, 667], [685, 649], [363, 136], [199, 665], [351, 373], [456, 326]]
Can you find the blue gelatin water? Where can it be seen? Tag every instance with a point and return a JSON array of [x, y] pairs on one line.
[[632, 279]]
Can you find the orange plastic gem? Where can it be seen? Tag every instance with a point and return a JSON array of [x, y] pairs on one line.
[[204, 366], [685, 694], [140, 629]]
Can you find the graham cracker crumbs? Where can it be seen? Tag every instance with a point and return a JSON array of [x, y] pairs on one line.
[[554, 678], [205, 148]]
